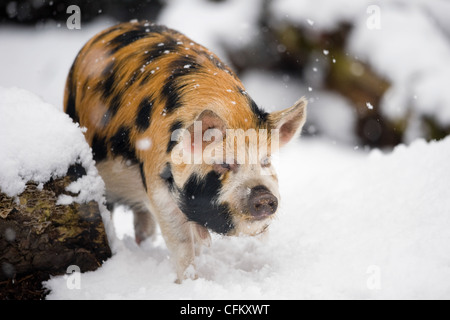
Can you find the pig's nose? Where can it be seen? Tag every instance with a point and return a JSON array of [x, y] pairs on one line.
[[262, 203]]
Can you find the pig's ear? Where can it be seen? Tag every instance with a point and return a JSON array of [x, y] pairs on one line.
[[210, 120], [205, 121], [289, 121]]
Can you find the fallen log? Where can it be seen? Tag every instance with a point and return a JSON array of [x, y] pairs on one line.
[[40, 238]]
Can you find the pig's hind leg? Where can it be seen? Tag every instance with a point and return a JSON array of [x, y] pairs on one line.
[[144, 222], [124, 186]]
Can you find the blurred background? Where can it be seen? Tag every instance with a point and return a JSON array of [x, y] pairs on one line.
[[375, 72]]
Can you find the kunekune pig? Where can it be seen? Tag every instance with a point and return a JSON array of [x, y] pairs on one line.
[[149, 95]]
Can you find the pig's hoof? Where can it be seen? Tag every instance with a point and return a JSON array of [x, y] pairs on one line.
[[139, 239], [180, 281], [189, 273]]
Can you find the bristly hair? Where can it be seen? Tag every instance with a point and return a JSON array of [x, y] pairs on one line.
[[260, 113]]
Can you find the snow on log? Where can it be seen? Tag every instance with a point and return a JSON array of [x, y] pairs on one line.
[[51, 197]]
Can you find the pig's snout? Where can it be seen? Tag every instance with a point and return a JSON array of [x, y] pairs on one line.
[[262, 203]]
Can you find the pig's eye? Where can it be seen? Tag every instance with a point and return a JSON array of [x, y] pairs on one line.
[[265, 162], [225, 166]]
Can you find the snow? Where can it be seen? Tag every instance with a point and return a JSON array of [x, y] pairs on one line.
[[39, 142], [143, 144], [354, 226]]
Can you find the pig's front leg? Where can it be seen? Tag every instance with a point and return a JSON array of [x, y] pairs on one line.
[[201, 238], [179, 236]]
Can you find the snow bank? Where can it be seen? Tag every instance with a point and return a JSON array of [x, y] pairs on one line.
[[39, 142], [351, 226]]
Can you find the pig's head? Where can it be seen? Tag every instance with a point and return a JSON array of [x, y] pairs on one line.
[[220, 171]]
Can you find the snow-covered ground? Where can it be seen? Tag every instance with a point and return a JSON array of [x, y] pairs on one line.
[[352, 224]]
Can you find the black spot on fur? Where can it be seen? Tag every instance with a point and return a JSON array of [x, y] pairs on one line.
[[151, 55], [141, 169], [154, 52], [99, 149], [173, 86], [109, 79], [259, 113], [114, 106], [133, 78], [242, 91], [198, 202], [171, 91], [144, 114], [71, 97], [127, 38], [110, 97], [167, 176], [172, 143], [146, 60], [120, 144], [145, 78], [106, 33], [184, 65], [139, 31]]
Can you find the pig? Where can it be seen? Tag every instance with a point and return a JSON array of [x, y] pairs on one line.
[[153, 102]]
